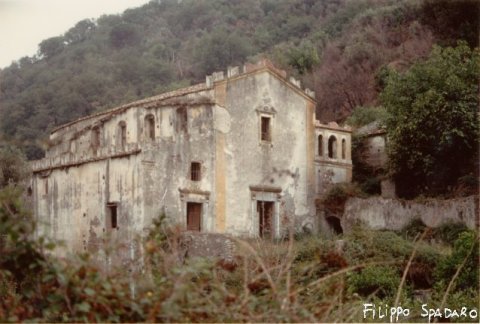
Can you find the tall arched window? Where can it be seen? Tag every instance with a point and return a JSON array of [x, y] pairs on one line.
[[320, 145], [332, 147], [95, 140], [150, 127], [344, 148], [121, 135]]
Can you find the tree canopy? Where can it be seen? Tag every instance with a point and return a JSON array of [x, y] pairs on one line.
[[335, 47], [433, 128]]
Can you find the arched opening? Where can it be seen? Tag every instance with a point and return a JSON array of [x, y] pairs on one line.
[[320, 145], [335, 225], [95, 139], [344, 148], [332, 147], [182, 120], [150, 127], [121, 135]]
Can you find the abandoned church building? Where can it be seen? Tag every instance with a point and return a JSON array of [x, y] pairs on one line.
[[241, 154]]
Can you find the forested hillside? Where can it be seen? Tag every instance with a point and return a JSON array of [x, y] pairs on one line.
[[339, 48]]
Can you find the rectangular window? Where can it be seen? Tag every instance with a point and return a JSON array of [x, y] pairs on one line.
[[195, 171], [266, 129], [112, 216]]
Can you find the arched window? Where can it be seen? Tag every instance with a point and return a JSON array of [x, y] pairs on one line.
[[95, 140], [344, 148], [150, 127], [332, 147], [320, 145], [121, 135]]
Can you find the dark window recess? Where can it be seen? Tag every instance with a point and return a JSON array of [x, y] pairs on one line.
[[266, 129], [95, 139], [195, 171], [122, 135], [194, 216], [265, 218], [320, 145], [150, 127], [182, 119], [112, 216], [344, 148]]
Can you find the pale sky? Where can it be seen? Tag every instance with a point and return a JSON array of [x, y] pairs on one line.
[[25, 23]]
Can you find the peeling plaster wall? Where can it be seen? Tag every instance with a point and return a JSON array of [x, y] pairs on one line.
[[216, 124], [249, 161], [166, 168], [145, 179], [394, 214]]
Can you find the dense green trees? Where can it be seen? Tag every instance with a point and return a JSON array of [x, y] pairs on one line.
[[433, 127], [334, 46]]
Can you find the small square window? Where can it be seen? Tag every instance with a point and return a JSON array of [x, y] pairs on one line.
[[266, 129], [195, 171]]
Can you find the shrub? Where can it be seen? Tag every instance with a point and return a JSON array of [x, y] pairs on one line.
[[449, 232], [382, 281], [465, 249], [413, 228], [338, 194]]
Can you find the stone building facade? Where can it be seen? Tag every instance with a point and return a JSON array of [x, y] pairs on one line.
[[241, 154]]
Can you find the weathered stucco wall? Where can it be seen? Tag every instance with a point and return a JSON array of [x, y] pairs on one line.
[[266, 170], [251, 136], [394, 214]]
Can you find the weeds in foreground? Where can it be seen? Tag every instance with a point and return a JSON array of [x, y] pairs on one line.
[[296, 280]]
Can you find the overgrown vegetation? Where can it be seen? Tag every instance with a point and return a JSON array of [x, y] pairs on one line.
[[433, 128], [308, 279], [335, 46]]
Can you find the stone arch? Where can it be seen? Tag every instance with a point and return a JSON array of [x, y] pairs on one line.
[[332, 147]]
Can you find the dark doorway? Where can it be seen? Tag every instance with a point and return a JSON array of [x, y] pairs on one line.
[[335, 225], [265, 218], [194, 216]]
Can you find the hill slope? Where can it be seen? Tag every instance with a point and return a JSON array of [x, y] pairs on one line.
[[336, 47]]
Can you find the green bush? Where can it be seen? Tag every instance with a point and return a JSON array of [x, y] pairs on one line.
[[465, 249], [415, 227], [449, 232], [381, 281], [362, 116]]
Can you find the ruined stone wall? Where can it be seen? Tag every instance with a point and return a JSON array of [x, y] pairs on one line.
[[393, 214]]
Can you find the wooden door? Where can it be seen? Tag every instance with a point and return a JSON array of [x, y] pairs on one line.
[[265, 218], [194, 216]]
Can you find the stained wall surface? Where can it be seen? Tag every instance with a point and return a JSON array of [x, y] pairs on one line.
[[223, 148]]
